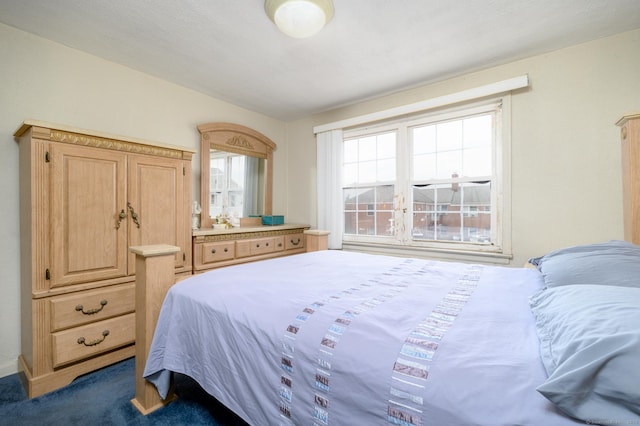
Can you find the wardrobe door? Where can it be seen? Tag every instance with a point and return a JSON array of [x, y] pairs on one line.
[[156, 205], [87, 215]]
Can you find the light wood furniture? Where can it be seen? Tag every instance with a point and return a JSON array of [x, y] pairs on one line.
[[630, 136], [217, 248], [240, 140], [85, 198], [154, 277], [317, 240]]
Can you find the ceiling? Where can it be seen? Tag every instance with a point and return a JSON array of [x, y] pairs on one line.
[[230, 50]]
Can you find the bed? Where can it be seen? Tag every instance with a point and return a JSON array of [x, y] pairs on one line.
[[336, 338]]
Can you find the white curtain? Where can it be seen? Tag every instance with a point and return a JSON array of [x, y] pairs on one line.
[[330, 208]]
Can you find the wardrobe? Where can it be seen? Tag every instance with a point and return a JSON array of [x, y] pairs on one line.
[[85, 198]]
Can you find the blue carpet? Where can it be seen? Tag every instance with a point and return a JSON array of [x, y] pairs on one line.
[[103, 397]]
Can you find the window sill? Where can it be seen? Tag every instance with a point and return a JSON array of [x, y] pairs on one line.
[[430, 253]]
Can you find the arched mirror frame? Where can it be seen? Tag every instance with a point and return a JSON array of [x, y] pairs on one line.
[[238, 139]]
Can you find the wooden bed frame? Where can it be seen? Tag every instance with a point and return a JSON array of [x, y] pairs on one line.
[[154, 277], [155, 264]]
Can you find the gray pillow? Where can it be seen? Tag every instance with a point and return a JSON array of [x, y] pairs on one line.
[[590, 347], [610, 263]]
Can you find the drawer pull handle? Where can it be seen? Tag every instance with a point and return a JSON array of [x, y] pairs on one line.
[[295, 243], [213, 251], [82, 341], [226, 249], [279, 244], [258, 245], [80, 308]]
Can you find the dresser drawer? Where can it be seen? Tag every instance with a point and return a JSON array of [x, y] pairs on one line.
[[216, 252], [294, 241], [91, 339], [278, 243], [255, 247], [72, 310]]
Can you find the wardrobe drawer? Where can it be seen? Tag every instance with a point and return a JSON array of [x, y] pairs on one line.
[[255, 247], [91, 339], [215, 252], [294, 241], [80, 308]]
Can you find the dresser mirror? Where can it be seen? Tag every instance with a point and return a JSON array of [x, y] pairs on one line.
[[236, 172]]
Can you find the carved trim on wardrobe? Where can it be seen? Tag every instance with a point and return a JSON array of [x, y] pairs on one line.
[[115, 145]]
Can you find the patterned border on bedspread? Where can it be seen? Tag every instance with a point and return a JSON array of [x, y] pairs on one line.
[[409, 372], [411, 369]]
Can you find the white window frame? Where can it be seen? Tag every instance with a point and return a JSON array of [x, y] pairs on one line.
[[402, 243], [355, 135], [329, 155]]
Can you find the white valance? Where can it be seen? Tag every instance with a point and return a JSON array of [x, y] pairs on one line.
[[466, 95]]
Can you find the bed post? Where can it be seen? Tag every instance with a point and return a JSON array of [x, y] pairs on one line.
[[154, 275], [316, 240]]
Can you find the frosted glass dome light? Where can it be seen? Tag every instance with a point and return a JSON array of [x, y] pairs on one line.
[[299, 18]]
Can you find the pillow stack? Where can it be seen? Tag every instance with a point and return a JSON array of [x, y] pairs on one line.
[[588, 323]]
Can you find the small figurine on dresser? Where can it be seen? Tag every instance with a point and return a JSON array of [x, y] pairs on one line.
[[195, 216]]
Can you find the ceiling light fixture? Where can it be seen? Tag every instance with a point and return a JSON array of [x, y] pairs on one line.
[[299, 18]]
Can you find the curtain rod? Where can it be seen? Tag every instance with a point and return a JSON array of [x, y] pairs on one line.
[[465, 95]]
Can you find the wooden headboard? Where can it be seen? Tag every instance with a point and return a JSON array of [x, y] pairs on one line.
[[630, 138]]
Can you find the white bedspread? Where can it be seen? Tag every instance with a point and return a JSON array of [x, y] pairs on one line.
[[340, 338]]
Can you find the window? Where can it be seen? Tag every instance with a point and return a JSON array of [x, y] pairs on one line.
[[369, 174], [430, 181]]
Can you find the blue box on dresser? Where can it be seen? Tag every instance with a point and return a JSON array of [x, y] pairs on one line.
[[273, 220]]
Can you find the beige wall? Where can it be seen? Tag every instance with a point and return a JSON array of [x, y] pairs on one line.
[[566, 166], [566, 173], [46, 81]]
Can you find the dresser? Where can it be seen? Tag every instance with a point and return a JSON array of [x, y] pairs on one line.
[[630, 139], [85, 197], [216, 248]]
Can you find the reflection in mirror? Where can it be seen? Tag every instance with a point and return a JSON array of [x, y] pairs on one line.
[[236, 185]]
